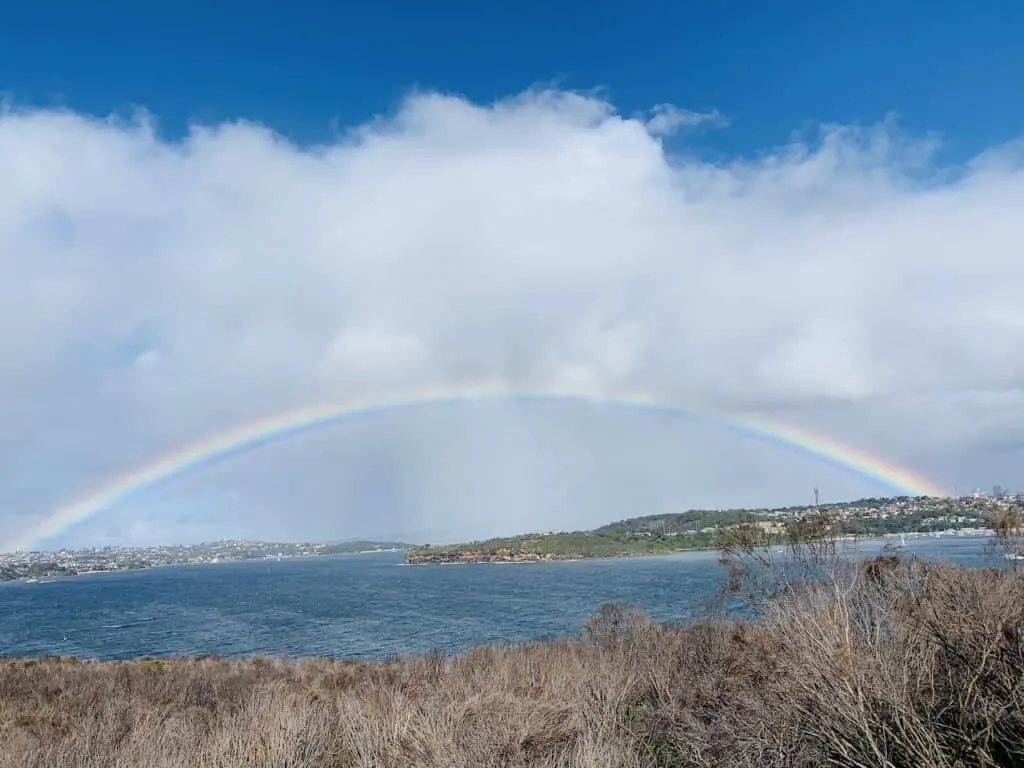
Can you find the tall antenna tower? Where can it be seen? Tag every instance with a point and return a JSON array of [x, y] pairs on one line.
[[816, 497]]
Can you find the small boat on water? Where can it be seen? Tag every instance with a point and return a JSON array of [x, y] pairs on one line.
[[1014, 556]]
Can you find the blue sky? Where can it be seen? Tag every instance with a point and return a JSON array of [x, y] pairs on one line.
[[488, 192], [771, 68]]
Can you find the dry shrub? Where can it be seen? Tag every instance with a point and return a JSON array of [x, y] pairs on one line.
[[910, 663], [1008, 524], [890, 663]]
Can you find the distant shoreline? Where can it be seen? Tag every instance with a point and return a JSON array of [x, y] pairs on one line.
[[41, 567], [528, 560], [697, 530], [702, 529], [536, 560]]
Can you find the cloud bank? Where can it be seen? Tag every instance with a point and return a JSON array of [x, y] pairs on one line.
[[154, 291]]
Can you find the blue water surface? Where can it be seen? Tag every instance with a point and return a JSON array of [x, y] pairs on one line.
[[359, 606]]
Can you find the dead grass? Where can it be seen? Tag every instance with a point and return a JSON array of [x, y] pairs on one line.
[[896, 663]]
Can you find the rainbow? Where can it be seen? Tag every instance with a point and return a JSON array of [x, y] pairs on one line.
[[250, 435]]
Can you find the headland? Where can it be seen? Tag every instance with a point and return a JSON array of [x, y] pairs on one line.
[[702, 529]]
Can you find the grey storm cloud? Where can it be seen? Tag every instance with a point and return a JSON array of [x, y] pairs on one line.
[[153, 291]]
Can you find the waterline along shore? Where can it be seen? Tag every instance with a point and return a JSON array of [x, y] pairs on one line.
[[475, 554]]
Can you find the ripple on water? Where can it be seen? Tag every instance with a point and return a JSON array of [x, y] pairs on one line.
[[357, 607]]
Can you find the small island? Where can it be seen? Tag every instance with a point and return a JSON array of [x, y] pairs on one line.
[[700, 529]]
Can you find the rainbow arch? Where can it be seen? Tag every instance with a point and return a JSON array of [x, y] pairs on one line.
[[281, 426]]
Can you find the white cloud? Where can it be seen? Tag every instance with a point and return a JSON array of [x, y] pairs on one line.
[[373, 358], [152, 292], [668, 119]]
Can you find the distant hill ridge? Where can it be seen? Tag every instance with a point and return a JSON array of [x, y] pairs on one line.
[[700, 529]]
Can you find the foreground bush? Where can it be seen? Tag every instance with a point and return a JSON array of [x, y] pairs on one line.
[[898, 663]]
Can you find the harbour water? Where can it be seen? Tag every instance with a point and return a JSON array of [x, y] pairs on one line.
[[360, 606]]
